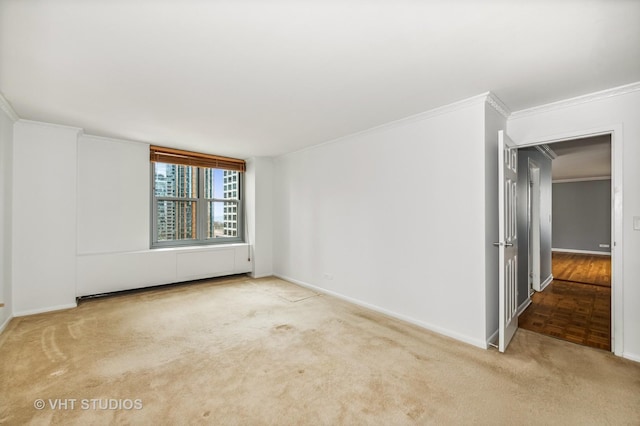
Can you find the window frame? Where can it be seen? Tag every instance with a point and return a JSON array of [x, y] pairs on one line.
[[201, 212]]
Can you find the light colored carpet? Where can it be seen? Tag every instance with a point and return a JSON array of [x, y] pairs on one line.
[[254, 352]]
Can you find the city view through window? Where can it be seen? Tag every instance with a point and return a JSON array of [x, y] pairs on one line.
[[195, 203]]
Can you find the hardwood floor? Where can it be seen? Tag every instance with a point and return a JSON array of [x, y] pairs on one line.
[[581, 268], [574, 311]]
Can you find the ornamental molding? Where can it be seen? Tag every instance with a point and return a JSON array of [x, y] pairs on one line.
[[578, 100], [8, 109], [445, 109], [498, 105]]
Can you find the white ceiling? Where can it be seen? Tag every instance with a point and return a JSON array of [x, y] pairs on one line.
[[582, 158], [246, 78]]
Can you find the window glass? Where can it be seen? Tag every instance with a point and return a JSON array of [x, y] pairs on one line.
[[193, 205], [173, 180], [220, 225], [176, 220]]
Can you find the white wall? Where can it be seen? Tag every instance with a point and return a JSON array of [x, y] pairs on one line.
[[44, 217], [113, 195], [6, 156], [392, 218], [259, 206], [494, 122], [114, 226], [583, 116], [81, 222]]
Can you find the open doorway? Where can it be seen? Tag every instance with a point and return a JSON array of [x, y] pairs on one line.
[[565, 239]]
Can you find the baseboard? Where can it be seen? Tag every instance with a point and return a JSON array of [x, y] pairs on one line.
[[524, 305], [260, 275], [43, 310], [436, 329], [5, 323], [563, 250], [493, 339], [632, 357], [546, 282]]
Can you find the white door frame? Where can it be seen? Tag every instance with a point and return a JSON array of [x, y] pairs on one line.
[[533, 226], [615, 130]]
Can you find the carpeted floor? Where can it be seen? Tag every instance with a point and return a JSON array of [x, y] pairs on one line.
[[253, 352]]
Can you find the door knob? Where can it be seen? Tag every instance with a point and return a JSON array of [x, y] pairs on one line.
[[498, 244]]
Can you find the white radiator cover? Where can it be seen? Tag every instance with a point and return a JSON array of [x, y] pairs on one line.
[[104, 273]]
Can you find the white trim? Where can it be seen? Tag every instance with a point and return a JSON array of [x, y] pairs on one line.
[[8, 109], [455, 106], [564, 250], [43, 310], [524, 305], [568, 136], [267, 275], [498, 105], [194, 248], [57, 126], [493, 339], [617, 253], [443, 331], [583, 179], [617, 224], [5, 323], [546, 282], [632, 357], [546, 151], [108, 139], [583, 99]]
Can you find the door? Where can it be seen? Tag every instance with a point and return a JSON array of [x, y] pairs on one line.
[[507, 239]]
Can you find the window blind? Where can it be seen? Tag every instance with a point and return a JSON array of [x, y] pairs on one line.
[[161, 154]]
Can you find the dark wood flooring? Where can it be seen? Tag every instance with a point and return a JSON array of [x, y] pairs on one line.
[[573, 311], [582, 268]]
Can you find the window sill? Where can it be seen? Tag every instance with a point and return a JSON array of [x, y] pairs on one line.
[[181, 249], [200, 247]]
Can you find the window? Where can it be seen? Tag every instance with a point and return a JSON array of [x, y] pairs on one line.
[[190, 201]]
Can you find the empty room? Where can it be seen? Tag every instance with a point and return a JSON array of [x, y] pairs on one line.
[[310, 212]]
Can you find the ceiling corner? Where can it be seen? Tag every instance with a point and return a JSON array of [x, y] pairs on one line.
[[498, 105], [8, 109]]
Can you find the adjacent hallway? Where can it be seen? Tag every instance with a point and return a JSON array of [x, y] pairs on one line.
[[576, 306]]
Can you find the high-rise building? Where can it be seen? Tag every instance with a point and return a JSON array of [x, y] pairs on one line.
[[230, 209], [176, 219], [214, 227], [164, 184], [186, 186]]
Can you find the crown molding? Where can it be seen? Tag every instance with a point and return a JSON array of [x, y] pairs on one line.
[[498, 105], [578, 100], [78, 130], [445, 109], [547, 151], [8, 109], [110, 139]]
